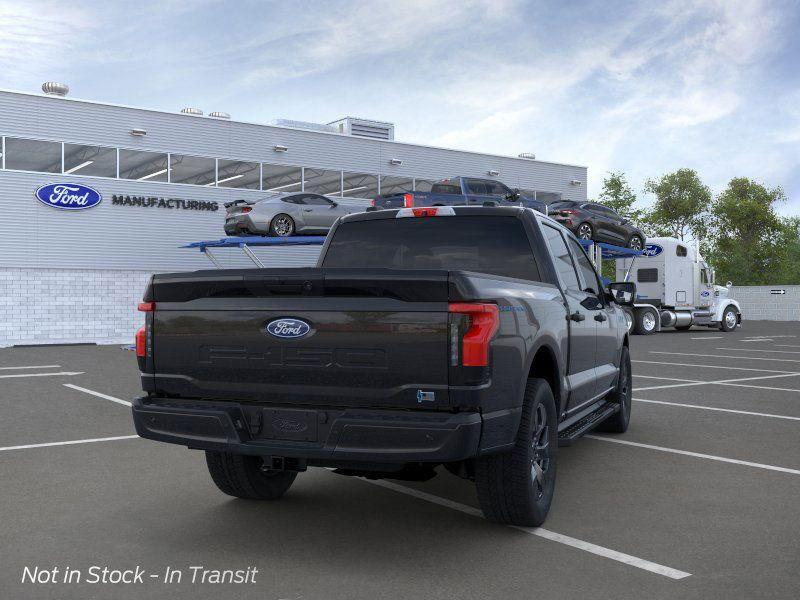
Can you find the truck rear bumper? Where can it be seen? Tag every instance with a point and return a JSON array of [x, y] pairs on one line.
[[362, 435]]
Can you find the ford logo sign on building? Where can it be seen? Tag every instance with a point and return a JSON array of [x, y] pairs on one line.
[[652, 250], [68, 196], [286, 328]]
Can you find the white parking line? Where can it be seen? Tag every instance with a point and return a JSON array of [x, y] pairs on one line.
[[70, 442], [757, 340], [16, 375], [660, 362], [725, 356], [708, 337], [627, 559], [733, 461], [717, 382], [98, 394], [667, 378], [787, 346], [728, 410], [759, 350], [31, 367]]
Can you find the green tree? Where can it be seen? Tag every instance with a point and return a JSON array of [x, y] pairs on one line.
[[618, 196], [750, 242], [681, 206]]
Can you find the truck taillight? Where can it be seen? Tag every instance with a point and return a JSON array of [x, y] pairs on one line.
[[471, 348], [408, 200], [246, 209], [372, 202], [141, 343], [144, 337]]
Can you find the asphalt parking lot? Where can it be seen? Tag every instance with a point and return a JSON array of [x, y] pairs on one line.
[[698, 500]]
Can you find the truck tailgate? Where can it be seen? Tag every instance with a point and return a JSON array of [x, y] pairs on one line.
[[333, 337]]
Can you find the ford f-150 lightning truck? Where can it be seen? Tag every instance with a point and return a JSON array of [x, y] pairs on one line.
[[461, 191], [477, 338]]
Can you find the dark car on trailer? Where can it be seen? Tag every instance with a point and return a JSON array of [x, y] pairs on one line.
[[594, 221], [477, 338]]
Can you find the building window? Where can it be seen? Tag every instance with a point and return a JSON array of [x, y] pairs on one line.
[[144, 166], [280, 178], [423, 185], [33, 155], [194, 170], [320, 181], [396, 185], [359, 185], [90, 160], [237, 174]]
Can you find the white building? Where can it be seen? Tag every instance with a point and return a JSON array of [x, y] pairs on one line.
[[70, 276]]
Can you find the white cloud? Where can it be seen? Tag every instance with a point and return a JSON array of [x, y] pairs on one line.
[[35, 37]]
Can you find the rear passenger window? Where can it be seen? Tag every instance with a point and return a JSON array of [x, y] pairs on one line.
[[681, 250], [561, 258], [647, 275]]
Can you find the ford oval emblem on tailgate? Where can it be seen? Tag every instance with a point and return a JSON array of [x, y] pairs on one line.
[[288, 328]]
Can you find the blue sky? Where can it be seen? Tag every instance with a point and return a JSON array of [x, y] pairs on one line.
[[639, 87]]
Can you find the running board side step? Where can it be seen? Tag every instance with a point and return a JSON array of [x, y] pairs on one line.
[[586, 424]]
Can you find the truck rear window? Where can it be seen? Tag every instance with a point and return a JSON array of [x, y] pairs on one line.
[[492, 245], [446, 188]]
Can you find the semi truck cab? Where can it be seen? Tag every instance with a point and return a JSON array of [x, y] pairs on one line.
[[676, 288]]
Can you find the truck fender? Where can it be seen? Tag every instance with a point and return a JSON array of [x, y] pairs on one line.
[[722, 306], [546, 349]]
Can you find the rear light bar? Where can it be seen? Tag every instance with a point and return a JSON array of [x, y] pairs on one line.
[[408, 200], [426, 211], [484, 321], [567, 212]]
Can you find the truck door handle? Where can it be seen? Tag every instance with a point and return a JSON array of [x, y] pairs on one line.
[[307, 209], [577, 317], [600, 317]]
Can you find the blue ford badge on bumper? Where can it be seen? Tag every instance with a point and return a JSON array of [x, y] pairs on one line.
[[288, 328], [68, 196]]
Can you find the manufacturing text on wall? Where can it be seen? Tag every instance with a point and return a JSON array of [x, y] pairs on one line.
[[156, 202]]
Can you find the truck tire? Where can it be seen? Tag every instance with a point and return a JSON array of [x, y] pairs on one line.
[[242, 476], [628, 318], [622, 394], [644, 321], [516, 487], [729, 319]]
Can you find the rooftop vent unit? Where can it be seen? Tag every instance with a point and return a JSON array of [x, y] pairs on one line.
[[219, 115], [192, 111], [51, 88], [527, 155], [376, 130], [303, 125]]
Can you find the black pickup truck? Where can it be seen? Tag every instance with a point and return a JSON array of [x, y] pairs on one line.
[[478, 338]]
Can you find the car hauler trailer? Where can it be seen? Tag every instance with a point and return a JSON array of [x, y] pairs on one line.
[[675, 288]]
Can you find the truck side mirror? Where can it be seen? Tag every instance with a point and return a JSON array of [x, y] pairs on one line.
[[622, 292]]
